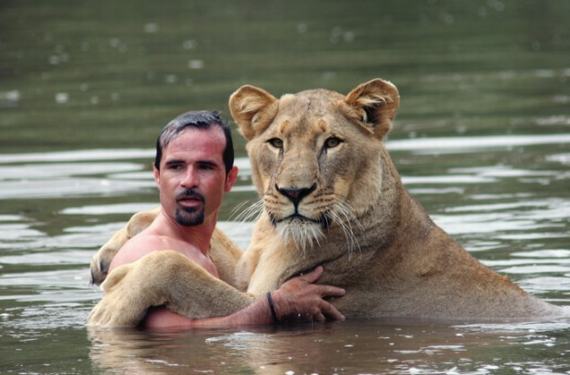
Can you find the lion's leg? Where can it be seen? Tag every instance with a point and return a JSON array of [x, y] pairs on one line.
[[262, 239], [225, 254], [102, 259], [262, 280], [164, 278], [246, 266], [277, 262], [122, 304]]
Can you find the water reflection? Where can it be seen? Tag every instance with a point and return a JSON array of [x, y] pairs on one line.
[[384, 347]]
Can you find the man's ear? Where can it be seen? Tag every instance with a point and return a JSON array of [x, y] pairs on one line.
[[156, 174], [252, 109], [374, 105], [231, 179]]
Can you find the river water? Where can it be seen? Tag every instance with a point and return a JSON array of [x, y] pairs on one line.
[[482, 140]]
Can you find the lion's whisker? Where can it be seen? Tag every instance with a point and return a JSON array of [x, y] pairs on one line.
[[236, 211], [252, 212], [343, 215]]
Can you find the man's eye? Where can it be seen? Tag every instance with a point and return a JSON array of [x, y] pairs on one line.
[[174, 167], [276, 142], [332, 142]]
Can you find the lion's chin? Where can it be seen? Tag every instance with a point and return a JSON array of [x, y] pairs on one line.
[[300, 232]]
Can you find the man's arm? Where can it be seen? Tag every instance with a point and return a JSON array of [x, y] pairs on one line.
[[163, 278], [132, 250], [298, 299], [169, 278]]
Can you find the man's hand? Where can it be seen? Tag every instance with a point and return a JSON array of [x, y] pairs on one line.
[[301, 299]]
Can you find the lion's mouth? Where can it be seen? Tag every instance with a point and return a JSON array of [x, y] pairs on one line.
[[297, 218]]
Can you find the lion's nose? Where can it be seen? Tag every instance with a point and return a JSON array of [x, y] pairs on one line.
[[295, 195]]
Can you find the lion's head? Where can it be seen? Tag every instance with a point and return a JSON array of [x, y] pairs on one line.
[[315, 154]]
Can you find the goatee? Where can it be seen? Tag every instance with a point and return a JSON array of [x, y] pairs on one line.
[[190, 216]]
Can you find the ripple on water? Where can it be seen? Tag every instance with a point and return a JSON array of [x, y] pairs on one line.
[[423, 146], [503, 171], [560, 158], [485, 223], [72, 174], [78, 257], [17, 232], [106, 209], [70, 187], [4, 218], [43, 171], [84, 237], [80, 155], [546, 283], [48, 280], [536, 268], [509, 220], [531, 261], [554, 253], [522, 327], [445, 180]]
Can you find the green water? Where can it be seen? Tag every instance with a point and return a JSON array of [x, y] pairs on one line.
[[482, 139]]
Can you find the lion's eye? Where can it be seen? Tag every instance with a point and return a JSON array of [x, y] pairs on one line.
[[332, 142], [276, 142]]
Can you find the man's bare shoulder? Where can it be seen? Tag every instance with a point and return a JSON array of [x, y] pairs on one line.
[[140, 245]]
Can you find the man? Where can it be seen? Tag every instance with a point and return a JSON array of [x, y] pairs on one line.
[[193, 169]]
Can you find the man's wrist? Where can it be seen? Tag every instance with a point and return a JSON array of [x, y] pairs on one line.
[[274, 318]]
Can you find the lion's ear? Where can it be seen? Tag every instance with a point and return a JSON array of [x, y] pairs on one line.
[[252, 109], [375, 104]]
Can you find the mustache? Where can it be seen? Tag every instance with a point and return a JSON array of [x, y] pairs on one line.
[[190, 193]]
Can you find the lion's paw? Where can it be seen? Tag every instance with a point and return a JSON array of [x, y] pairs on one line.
[[101, 261], [116, 312]]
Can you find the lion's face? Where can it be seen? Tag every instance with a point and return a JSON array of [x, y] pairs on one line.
[[315, 154]]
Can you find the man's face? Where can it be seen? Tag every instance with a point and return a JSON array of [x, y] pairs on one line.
[[192, 177]]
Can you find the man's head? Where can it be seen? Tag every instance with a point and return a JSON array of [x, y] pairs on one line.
[[198, 120], [193, 167]]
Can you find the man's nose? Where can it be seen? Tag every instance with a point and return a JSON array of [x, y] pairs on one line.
[[191, 178]]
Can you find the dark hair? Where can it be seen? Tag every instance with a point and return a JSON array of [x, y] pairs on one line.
[[198, 120]]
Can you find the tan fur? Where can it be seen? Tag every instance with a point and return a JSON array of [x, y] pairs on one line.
[[400, 263], [161, 278], [357, 220], [164, 277]]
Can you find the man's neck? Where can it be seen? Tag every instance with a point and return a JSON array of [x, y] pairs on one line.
[[196, 235]]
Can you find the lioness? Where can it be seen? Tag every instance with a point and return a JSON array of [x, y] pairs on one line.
[[332, 196]]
